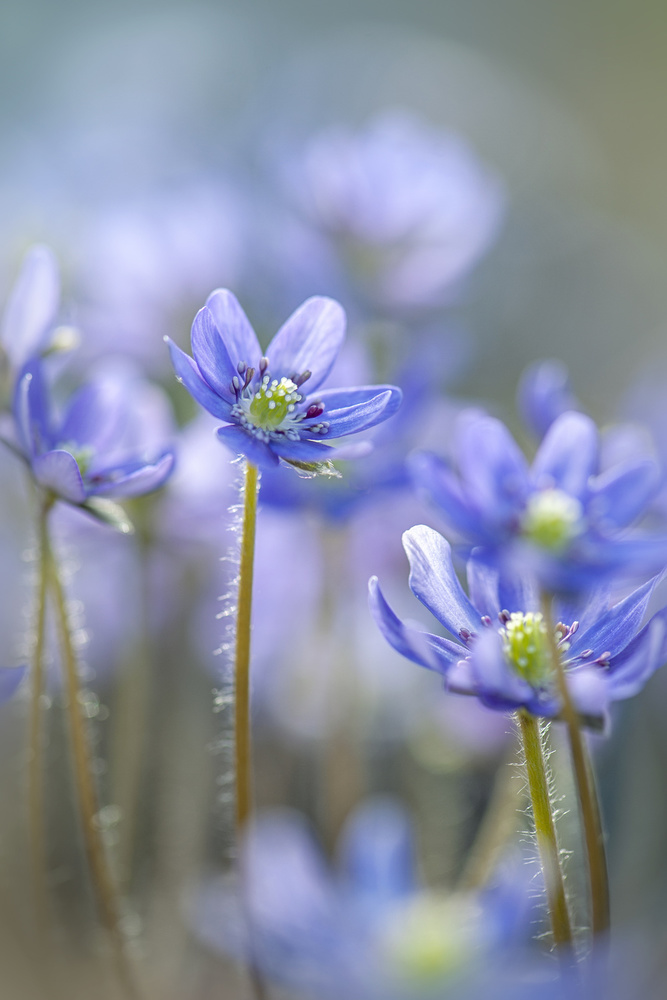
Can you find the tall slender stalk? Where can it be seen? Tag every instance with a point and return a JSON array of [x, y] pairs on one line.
[[545, 829], [35, 761], [242, 742], [102, 880], [589, 807]]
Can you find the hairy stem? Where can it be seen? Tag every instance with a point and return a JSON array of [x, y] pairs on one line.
[[545, 829], [589, 807], [242, 745], [35, 761], [102, 880]]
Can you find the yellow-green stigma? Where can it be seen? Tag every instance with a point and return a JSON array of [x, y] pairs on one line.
[[552, 519], [272, 402], [526, 647], [433, 938], [82, 454]]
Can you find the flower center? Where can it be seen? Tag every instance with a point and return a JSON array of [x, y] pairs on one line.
[[433, 937], [552, 519], [272, 402], [526, 647], [83, 454]]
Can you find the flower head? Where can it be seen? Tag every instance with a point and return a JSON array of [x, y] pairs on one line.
[[565, 517], [271, 403], [499, 645], [103, 443]]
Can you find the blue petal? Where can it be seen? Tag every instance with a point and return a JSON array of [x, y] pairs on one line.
[[32, 411], [441, 486], [629, 671], [483, 586], [95, 415], [377, 855], [32, 306], [308, 341], [138, 482], [589, 691], [10, 680], [428, 650], [188, 373], [355, 410], [568, 456], [211, 355], [246, 444], [434, 582], [544, 393], [614, 629], [493, 469], [619, 497], [497, 684], [239, 338], [58, 471], [303, 450]]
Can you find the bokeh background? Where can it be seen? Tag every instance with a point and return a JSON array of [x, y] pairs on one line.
[[144, 142]]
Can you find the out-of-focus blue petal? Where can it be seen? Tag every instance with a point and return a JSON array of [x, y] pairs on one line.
[[496, 682], [544, 394], [439, 483], [32, 306], [308, 341], [375, 404], [434, 582], [95, 415], [10, 681], [242, 443], [629, 671], [239, 338], [143, 480], [377, 854], [614, 629], [210, 352], [483, 586], [188, 373], [568, 456], [303, 451], [427, 650], [32, 411], [619, 496], [493, 469], [589, 692], [58, 471]]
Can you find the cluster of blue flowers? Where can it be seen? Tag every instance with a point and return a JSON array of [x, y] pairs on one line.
[[560, 618]]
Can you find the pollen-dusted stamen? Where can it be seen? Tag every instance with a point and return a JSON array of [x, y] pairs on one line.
[[300, 379], [272, 402], [552, 519], [526, 647]]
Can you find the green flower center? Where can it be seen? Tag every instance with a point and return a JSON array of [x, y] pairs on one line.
[[552, 519], [272, 402], [433, 937], [83, 455], [526, 647]]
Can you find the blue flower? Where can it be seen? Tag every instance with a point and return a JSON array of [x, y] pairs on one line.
[[564, 517], [507, 665], [101, 446], [267, 412]]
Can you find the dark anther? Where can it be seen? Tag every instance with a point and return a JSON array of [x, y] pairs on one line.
[[300, 379], [504, 616], [241, 367], [314, 410], [486, 620], [248, 377], [263, 365]]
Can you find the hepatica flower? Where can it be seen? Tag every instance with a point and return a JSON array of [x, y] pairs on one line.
[[564, 516], [271, 403], [498, 645], [100, 446]]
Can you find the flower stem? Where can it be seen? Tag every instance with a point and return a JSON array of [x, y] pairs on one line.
[[35, 762], [102, 880], [545, 829], [242, 745], [589, 807]]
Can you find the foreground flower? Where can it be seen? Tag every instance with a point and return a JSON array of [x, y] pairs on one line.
[[564, 517], [499, 650], [268, 413], [102, 446]]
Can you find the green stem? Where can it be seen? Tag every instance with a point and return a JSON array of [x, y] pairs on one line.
[[589, 807], [35, 762], [102, 881], [545, 829], [242, 745]]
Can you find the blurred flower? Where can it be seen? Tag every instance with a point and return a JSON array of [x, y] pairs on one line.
[[544, 394], [605, 654], [403, 210], [565, 517], [267, 417], [103, 445]]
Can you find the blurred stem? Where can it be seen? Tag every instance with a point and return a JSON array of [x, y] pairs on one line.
[[545, 829], [242, 744], [35, 761], [103, 883], [589, 806]]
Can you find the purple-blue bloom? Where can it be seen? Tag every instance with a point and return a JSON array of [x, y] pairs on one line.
[[101, 445], [268, 414], [565, 517], [499, 648]]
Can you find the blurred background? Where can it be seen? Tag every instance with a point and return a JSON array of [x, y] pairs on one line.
[[165, 149]]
